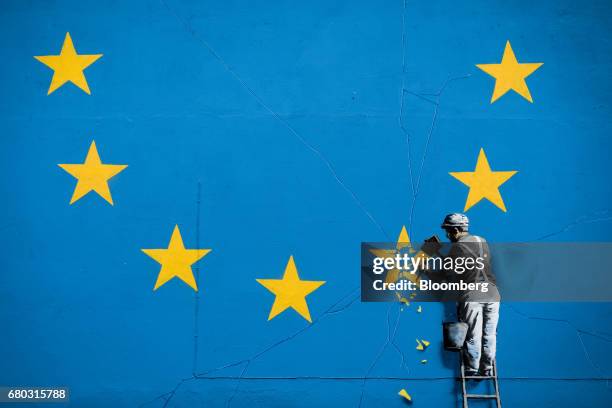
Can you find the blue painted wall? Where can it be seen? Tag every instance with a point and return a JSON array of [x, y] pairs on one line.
[[252, 105]]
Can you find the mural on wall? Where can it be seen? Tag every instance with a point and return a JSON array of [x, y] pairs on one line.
[[274, 129]]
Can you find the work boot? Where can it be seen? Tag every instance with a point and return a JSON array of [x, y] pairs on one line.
[[487, 372], [470, 373]]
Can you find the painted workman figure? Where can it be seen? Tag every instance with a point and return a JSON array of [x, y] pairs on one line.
[[480, 311]]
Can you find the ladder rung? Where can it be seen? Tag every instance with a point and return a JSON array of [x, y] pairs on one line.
[[493, 396], [479, 377]]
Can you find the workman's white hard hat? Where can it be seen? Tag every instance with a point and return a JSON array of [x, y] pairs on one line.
[[455, 220]]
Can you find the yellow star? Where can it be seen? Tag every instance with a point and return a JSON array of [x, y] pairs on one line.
[[176, 261], [93, 175], [403, 241], [394, 275], [483, 183], [68, 66], [290, 291], [509, 74]]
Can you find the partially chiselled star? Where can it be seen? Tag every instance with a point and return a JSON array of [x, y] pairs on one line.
[[483, 183], [176, 260], [92, 175], [395, 275], [510, 75], [290, 291], [68, 66]]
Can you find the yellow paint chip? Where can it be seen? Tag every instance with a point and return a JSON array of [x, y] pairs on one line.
[[404, 393], [419, 345], [425, 343]]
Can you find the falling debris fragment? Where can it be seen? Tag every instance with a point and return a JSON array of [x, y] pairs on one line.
[[404, 393], [419, 309], [422, 344], [412, 295], [404, 301], [423, 361]]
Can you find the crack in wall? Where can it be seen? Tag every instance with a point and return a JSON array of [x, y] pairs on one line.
[[414, 187], [597, 216], [335, 309], [390, 340], [436, 101], [196, 311], [278, 117], [433, 98], [579, 334], [168, 396], [402, 89], [422, 95], [330, 311]]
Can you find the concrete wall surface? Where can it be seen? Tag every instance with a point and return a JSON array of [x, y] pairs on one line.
[[267, 129]]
